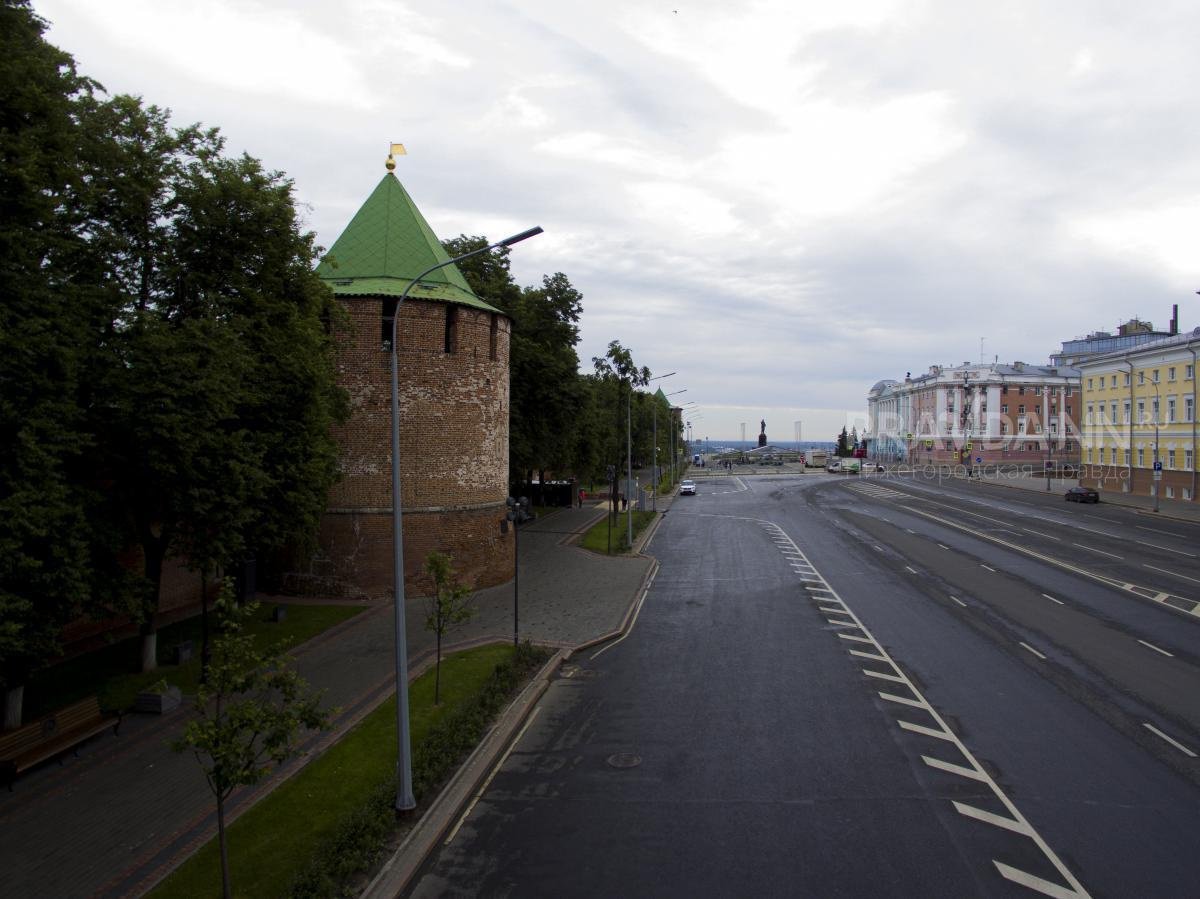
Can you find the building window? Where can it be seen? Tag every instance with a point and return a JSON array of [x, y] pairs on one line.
[[1068, 391], [1170, 410], [1037, 428], [1125, 452], [1004, 408], [1141, 377], [1141, 457], [1154, 376], [1171, 373], [451, 341], [1170, 458], [1021, 390], [1189, 411], [1114, 382], [1091, 410], [1003, 427], [1154, 406], [1068, 409], [1021, 409], [1091, 383], [1112, 413], [1037, 391], [1126, 379], [1125, 419], [1187, 459], [1100, 414], [1187, 372], [388, 312], [1141, 412]]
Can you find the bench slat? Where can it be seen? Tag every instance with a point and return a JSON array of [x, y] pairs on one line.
[[41, 740]]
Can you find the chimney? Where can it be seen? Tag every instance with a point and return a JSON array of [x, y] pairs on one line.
[[1174, 319]]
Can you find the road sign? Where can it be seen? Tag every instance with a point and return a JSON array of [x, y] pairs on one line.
[[1158, 466], [978, 460], [910, 435], [1158, 474]]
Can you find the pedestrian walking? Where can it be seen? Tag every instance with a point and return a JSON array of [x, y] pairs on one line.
[[623, 502], [582, 495]]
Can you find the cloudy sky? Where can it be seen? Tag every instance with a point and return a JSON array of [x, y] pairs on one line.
[[782, 202]]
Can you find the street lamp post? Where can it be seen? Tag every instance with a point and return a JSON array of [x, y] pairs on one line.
[[656, 475], [629, 458], [404, 791], [1155, 477]]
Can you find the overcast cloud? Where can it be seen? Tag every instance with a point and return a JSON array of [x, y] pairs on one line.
[[783, 202]]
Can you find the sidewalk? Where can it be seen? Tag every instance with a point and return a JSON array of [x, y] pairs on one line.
[[124, 813]]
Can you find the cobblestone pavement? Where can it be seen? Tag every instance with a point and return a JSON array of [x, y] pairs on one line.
[[124, 812]]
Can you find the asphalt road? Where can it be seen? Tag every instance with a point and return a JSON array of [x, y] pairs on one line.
[[867, 687]]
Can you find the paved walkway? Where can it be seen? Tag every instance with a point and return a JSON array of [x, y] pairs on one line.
[[126, 811]]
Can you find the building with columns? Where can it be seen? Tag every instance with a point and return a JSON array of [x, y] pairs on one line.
[[987, 413]]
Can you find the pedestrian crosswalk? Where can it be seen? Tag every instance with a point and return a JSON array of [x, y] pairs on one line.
[[877, 491]]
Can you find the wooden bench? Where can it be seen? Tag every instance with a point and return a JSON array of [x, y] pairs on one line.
[[41, 740]]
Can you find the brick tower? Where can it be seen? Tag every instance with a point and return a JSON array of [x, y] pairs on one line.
[[454, 404]]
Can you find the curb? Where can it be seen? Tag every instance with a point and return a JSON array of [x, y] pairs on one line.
[[393, 878], [1135, 509]]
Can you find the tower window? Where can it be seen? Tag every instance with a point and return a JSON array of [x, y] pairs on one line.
[[385, 323], [451, 328]]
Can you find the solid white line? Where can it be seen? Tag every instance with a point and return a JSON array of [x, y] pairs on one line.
[[892, 697], [841, 622], [1177, 745], [1102, 552], [1034, 651], [856, 639], [943, 546], [878, 547], [828, 610], [926, 731], [1168, 549], [959, 601], [883, 675], [495, 770], [636, 613], [1052, 599], [910, 568], [990, 818], [1037, 884], [1156, 649], [910, 530], [953, 769], [868, 655], [988, 567], [1173, 573]]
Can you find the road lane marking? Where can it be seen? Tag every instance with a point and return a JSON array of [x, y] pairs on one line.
[[867, 655], [1168, 549], [841, 622], [1154, 730], [828, 610], [883, 675], [923, 730], [1034, 651], [1156, 649], [1040, 534], [910, 530], [910, 568], [1015, 821], [1172, 573], [495, 770], [992, 818], [1052, 599], [959, 601], [969, 773], [943, 546], [1102, 552], [878, 547], [988, 567], [1142, 527], [1032, 882], [636, 613]]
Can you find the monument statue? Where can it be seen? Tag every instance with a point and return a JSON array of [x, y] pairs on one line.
[[762, 434]]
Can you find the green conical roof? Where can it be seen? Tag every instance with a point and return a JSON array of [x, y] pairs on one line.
[[385, 246]]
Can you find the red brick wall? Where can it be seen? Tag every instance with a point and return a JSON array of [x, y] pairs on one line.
[[453, 450]]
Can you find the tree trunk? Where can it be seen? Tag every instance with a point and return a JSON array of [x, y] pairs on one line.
[[437, 674], [204, 650], [226, 889], [154, 551], [14, 699]]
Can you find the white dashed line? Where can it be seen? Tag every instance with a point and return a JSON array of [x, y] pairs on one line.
[[1100, 551], [910, 568], [1158, 733], [943, 546], [1172, 573], [959, 601], [1052, 599], [987, 567], [1168, 549], [1156, 649]]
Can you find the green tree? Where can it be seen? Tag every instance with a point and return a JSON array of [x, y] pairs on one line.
[[843, 444], [49, 560], [448, 607], [214, 388], [249, 713]]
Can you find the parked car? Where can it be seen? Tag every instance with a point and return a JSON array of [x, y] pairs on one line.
[[833, 465], [687, 488], [1082, 495]]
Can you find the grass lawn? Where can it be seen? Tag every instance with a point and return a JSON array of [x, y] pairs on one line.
[[596, 538], [113, 670], [271, 841]]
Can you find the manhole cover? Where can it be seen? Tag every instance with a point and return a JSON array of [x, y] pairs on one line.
[[624, 760]]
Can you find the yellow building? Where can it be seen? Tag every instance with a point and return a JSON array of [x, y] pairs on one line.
[[1139, 408]]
